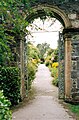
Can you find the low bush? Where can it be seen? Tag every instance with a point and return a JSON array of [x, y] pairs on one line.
[[10, 83], [54, 74], [5, 113], [48, 62], [31, 70], [55, 81]]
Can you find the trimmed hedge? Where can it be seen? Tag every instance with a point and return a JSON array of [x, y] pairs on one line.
[[10, 83], [5, 113]]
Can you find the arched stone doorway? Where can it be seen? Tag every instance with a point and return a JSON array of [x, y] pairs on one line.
[[41, 10], [66, 87]]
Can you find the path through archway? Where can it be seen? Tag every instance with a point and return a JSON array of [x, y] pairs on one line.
[[65, 43]]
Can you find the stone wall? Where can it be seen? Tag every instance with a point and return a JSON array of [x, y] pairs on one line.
[[75, 67], [69, 80]]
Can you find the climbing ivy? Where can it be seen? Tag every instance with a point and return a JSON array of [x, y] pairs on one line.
[[12, 26]]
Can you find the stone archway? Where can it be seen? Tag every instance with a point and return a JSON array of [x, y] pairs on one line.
[[68, 15], [40, 10]]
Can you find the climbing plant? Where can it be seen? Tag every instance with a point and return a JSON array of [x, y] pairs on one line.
[[12, 26]]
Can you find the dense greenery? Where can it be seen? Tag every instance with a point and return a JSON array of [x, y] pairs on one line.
[[32, 52], [12, 26], [51, 60], [5, 113], [12, 29], [43, 48], [54, 74], [10, 83], [32, 62], [74, 109]]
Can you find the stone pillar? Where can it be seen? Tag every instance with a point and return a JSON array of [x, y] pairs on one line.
[[22, 89], [61, 66], [67, 39], [67, 68], [71, 37]]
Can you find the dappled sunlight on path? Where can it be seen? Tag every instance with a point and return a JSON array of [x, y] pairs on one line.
[[46, 105]]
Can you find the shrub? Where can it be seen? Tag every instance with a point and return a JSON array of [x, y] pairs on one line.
[[54, 73], [10, 83], [5, 113], [55, 82], [48, 62], [31, 70]]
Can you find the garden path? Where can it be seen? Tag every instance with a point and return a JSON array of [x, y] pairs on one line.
[[46, 105]]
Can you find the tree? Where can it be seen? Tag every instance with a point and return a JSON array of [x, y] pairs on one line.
[[43, 48]]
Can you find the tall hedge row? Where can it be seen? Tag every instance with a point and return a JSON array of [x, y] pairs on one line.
[[10, 83]]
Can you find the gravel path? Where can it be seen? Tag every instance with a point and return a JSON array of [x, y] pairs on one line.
[[45, 106]]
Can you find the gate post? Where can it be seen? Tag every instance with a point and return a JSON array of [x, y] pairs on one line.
[[61, 66], [67, 40], [22, 89], [71, 37]]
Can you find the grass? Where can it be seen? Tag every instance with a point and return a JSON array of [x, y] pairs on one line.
[[74, 109]]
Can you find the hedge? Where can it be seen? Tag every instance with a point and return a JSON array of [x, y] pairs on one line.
[[5, 113], [10, 83]]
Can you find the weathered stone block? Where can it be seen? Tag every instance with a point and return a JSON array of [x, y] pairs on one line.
[[78, 83], [73, 74], [77, 73], [75, 23], [74, 65], [72, 16], [74, 58], [78, 65]]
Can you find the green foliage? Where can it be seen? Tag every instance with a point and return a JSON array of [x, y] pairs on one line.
[[55, 81], [55, 55], [54, 74], [10, 83], [32, 63], [31, 70], [47, 63], [51, 61], [43, 48], [74, 109], [12, 26], [5, 113], [32, 51]]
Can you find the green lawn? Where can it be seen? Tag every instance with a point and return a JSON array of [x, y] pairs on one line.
[[74, 109]]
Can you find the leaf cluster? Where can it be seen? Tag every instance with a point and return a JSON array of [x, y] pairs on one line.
[[32, 61], [10, 83], [12, 25], [5, 113]]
